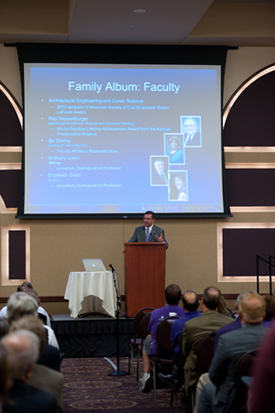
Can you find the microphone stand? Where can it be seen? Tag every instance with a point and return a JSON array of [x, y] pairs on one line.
[[117, 372]]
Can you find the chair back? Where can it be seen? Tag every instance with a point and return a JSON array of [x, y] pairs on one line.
[[164, 335], [243, 368], [43, 318], [144, 325], [205, 353], [138, 318]]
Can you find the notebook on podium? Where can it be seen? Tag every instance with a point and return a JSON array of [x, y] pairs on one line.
[[93, 264]]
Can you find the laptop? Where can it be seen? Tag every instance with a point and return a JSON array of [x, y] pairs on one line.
[[93, 264]]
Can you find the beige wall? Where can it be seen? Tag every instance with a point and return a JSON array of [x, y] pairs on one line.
[[57, 246]]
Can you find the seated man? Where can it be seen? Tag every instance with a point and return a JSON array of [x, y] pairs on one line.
[[196, 329], [43, 377], [219, 395], [24, 346], [233, 326], [171, 309], [190, 303], [24, 288], [21, 304]]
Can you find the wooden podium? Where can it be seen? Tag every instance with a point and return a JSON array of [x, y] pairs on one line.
[[144, 275]]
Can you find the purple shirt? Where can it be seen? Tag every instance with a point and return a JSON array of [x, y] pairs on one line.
[[158, 315]]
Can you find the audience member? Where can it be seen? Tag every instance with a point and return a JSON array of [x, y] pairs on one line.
[[43, 378], [24, 346], [41, 312], [20, 289], [222, 306], [21, 304], [204, 378], [219, 395], [270, 310], [232, 326], [194, 330], [190, 302], [171, 309]]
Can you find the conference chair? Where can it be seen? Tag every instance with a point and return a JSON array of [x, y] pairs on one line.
[[43, 318], [243, 369], [164, 346], [205, 353], [137, 342]]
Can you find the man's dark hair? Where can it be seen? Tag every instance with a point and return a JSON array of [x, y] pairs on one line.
[[172, 294], [193, 305], [211, 297], [270, 307], [24, 285], [151, 213]]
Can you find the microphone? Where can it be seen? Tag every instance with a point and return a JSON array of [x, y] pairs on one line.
[[110, 265]]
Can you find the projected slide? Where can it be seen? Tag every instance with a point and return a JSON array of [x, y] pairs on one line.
[[122, 139]]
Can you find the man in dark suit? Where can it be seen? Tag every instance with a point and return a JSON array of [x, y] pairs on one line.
[[197, 328], [190, 303], [24, 348], [219, 395], [159, 173], [43, 377], [192, 136], [149, 232]]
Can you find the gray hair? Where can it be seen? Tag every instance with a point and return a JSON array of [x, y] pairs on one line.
[[241, 296], [24, 346], [21, 304]]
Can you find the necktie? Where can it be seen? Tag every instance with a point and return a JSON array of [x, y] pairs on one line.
[[147, 234], [163, 177]]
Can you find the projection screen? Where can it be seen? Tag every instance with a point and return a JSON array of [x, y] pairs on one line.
[[112, 139]]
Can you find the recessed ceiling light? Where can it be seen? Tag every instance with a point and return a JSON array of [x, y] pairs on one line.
[[140, 11]]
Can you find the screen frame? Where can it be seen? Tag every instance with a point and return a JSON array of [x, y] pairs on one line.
[[122, 54]]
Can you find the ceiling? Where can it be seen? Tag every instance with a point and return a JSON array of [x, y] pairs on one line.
[[177, 22]]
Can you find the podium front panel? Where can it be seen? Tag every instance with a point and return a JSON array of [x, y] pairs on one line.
[[144, 275]]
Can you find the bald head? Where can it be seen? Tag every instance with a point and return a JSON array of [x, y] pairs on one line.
[[190, 301], [24, 347], [252, 309], [211, 298]]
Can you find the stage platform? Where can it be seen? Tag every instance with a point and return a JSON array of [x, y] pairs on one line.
[[92, 336]]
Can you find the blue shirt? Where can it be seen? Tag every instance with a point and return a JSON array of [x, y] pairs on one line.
[[178, 326]]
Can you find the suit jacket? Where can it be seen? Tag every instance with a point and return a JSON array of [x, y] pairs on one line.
[[140, 236], [230, 348], [196, 141], [26, 398], [50, 357], [156, 179], [194, 331], [49, 380], [226, 329]]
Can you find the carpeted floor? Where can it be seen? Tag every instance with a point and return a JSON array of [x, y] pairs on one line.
[[88, 388]]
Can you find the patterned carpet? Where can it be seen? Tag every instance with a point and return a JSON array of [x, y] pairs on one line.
[[88, 388]]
